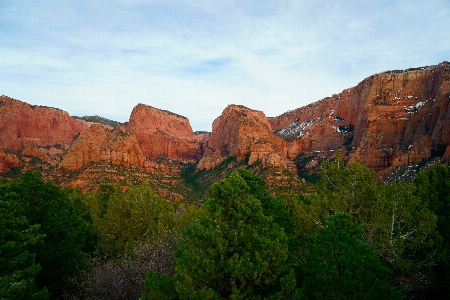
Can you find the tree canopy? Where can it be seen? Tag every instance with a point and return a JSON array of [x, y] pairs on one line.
[[236, 250], [64, 232], [18, 269], [339, 265]]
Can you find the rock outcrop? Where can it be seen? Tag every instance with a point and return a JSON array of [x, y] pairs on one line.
[[391, 119], [149, 133], [245, 133], [88, 147], [388, 120], [99, 143], [23, 125], [160, 132], [8, 161], [49, 154]]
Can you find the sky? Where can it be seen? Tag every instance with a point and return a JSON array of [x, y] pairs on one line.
[[195, 57]]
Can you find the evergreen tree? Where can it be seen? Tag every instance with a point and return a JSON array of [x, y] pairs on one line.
[[18, 269], [61, 254], [339, 265], [397, 223], [433, 187], [135, 215], [158, 287], [236, 250]]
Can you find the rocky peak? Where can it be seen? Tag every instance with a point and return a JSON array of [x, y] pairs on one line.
[[389, 119], [160, 132], [244, 133], [24, 125]]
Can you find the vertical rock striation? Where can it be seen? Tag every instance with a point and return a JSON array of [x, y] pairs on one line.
[[245, 133], [390, 119], [160, 132], [23, 125]]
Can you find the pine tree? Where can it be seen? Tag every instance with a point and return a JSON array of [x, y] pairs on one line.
[[18, 269], [339, 265], [61, 254], [236, 250]]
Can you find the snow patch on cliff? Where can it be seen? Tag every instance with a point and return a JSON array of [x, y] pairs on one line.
[[293, 130]]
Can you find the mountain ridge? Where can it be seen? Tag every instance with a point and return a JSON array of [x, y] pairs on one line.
[[388, 121]]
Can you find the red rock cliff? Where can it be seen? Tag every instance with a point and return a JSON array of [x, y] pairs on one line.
[[99, 143], [23, 125], [245, 133], [390, 119], [159, 132]]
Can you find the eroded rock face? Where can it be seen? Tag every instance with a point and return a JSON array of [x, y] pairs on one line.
[[86, 148], [8, 161], [246, 133], [99, 143], [24, 125], [159, 132], [51, 155], [390, 119]]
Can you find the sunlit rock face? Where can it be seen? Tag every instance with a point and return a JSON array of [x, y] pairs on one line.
[[245, 133], [8, 161], [150, 133], [23, 125], [100, 143], [391, 119], [159, 132]]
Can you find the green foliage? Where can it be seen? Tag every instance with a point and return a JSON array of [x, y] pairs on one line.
[[104, 192], [18, 269], [125, 217], [235, 250], [300, 213], [98, 119], [81, 210], [339, 265], [61, 254], [433, 187], [158, 287], [398, 224], [270, 205], [345, 188], [403, 231]]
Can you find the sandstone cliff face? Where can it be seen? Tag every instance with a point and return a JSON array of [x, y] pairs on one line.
[[99, 143], [160, 132], [50, 155], [202, 138], [390, 119], [86, 148], [24, 125], [246, 133], [8, 161]]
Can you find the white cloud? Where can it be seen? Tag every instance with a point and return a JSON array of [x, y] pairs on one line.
[[195, 57]]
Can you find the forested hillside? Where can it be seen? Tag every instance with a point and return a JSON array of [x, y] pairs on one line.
[[349, 236]]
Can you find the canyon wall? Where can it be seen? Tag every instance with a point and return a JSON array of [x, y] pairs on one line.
[[388, 120], [23, 125], [160, 132], [391, 119], [245, 133]]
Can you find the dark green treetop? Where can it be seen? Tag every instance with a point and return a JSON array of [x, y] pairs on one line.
[[61, 254], [235, 250], [18, 269], [337, 264]]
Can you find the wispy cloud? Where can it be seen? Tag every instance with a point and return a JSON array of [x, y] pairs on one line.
[[194, 57]]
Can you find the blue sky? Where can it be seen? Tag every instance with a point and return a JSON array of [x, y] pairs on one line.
[[195, 57]]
